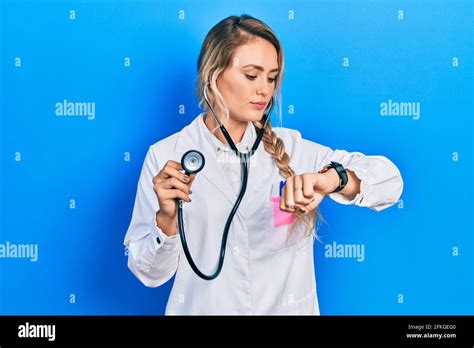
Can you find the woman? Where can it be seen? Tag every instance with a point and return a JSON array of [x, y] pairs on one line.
[[269, 265]]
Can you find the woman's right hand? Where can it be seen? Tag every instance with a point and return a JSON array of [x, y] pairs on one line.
[[168, 185]]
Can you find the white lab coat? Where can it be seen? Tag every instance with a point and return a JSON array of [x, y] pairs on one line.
[[263, 272]]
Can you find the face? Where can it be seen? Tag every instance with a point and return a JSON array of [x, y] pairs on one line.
[[249, 80]]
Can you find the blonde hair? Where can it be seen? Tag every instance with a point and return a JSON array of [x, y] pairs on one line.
[[215, 56]]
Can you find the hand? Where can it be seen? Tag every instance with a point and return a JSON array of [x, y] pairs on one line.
[[303, 193], [168, 185]]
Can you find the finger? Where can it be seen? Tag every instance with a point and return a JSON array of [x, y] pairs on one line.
[[283, 206], [308, 190], [298, 189], [173, 183], [314, 202], [300, 199], [318, 197], [174, 164], [170, 163], [289, 200], [175, 193], [301, 211], [156, 179], [169, 171]]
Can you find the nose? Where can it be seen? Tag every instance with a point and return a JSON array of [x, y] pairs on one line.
[[263, 89]]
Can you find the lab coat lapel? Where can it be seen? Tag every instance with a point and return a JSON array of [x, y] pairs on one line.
[[259, 175], [193, 138]]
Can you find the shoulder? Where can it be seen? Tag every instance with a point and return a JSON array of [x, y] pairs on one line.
[[162, 150], [295, 141], [305, 155], [286, 132], [166, 144], [287, 135], [187, 134], [168, 148], [174, 142]]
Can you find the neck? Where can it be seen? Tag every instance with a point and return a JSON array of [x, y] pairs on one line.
[[236, 129]]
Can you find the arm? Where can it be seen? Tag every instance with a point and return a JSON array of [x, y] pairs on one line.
[[374, 181], [152, 254], [353, 182]]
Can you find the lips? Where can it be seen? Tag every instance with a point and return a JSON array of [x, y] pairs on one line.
[[259, 105]]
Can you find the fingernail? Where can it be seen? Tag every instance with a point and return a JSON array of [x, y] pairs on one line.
[[292, 206], [186, 178], [301, 211], [190, 191]]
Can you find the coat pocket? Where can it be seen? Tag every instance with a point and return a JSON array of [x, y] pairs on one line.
[[280, 231], [283, 229]]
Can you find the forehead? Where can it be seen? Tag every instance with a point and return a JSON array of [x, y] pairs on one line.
[[259, 52]]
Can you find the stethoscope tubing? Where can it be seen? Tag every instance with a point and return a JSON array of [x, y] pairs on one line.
[[244, 161]]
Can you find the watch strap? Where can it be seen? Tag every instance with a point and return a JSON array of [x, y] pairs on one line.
[[343, 178]]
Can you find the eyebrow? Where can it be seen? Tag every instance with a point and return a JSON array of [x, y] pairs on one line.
[[259, 67]]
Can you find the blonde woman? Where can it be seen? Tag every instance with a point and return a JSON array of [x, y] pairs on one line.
[[269, 264]]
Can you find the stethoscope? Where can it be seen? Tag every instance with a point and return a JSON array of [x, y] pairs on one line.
[[193, 161]]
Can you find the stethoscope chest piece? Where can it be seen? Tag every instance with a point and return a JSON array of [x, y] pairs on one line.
[[192, 162]]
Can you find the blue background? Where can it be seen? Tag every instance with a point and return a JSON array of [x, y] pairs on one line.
[[408, 247]]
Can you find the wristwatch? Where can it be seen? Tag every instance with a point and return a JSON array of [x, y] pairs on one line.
[[340, 171]]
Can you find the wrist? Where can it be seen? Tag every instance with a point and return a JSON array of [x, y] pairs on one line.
[[167, 224], [340, 172], [333, 180]]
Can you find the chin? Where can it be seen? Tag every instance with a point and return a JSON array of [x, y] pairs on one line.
[[255, 115], [254, 119], [251, 116]]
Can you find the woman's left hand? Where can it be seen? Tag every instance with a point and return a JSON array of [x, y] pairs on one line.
[[303, 193]]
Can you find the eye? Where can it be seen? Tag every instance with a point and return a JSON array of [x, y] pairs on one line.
[[250, 77]]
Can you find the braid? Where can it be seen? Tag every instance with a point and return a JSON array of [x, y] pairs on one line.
[[275, 146]]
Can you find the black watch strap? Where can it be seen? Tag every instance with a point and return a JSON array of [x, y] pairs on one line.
[[340, 171]]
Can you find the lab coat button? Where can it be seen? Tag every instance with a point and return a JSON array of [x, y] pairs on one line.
[[236, 251]]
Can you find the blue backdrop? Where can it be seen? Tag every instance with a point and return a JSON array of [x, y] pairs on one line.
[[68, 183]]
